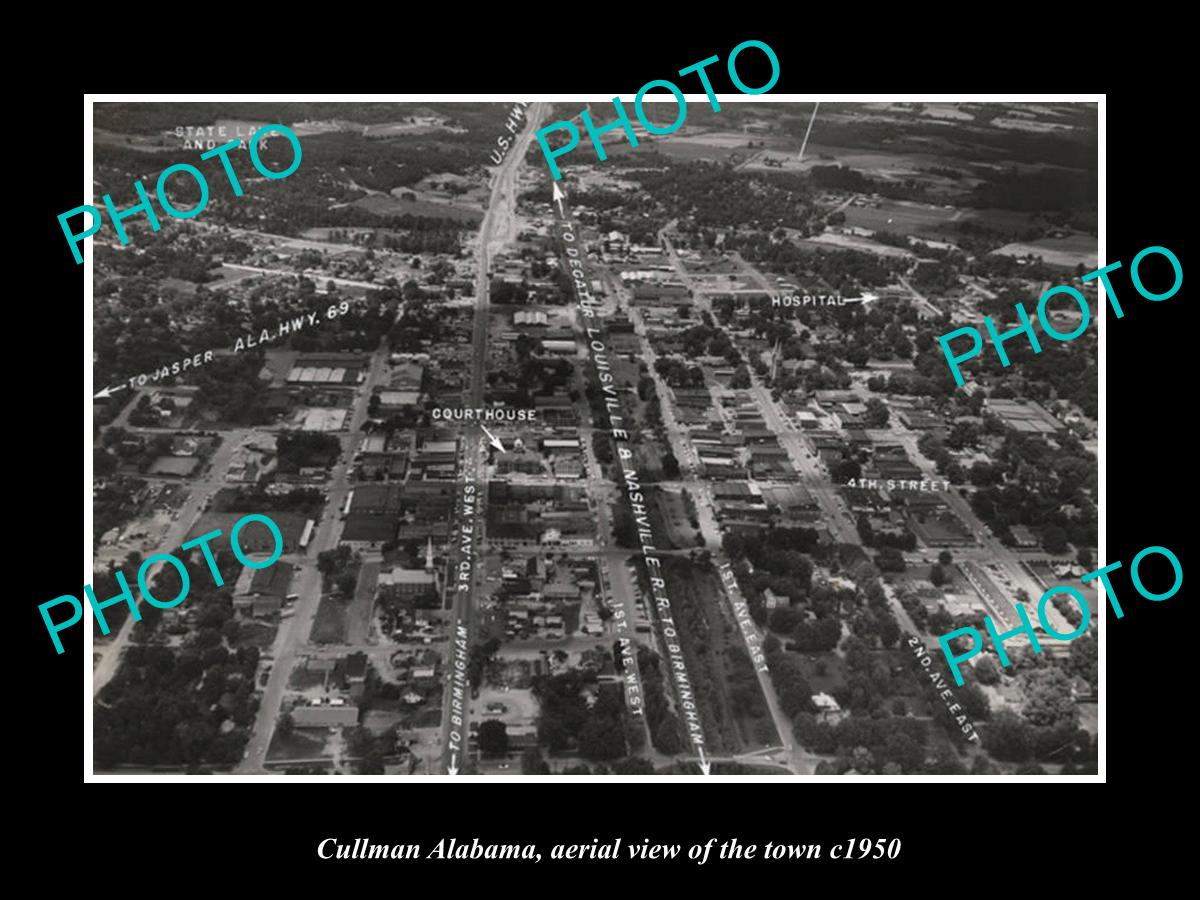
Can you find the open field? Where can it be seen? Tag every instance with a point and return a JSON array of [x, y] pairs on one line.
[[382, 205], [1068, 252], [853, 242], [713, 146], [902, 217]]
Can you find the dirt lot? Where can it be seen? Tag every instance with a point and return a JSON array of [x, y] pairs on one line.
[[520, 707]]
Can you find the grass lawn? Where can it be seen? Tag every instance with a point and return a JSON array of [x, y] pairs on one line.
[[570, 614], [300, 744], [426, 718], [257, 634], [302, 679], [329, 626], [380, 721], [830, 663], [671, 517]]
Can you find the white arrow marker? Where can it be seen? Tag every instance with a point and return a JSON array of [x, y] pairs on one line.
[[558, 197], [705, 765], [452, 769], [865, 298], [108, 392], [495, 440]]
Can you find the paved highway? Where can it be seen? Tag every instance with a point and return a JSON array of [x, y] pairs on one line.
[[497, 228]]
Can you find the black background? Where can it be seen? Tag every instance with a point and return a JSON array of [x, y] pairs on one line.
[[953, 834]]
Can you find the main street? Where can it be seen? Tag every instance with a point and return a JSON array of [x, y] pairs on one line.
[[293, 632], [811, 475], [498, 227]]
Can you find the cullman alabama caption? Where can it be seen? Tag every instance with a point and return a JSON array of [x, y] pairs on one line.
[[446, 848]]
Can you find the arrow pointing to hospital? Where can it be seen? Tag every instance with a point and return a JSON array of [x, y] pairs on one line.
[[865, 298], [558, 197], [495, 440], [108, 392], [452, 769]]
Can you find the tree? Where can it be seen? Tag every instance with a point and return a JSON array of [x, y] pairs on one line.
[[982, 766], [1054, 539], [493, 738], [889, 629], [863, 760], [634, 765], [945, 558], [877, 413], [904, 751], [975, 703], [670, 465], [666, 736], [784, 619], [1008, 737], [890, 560], [1050, 700], [285, 725], [532, 763], [599, 740], [937, 577], [1084, 658], [986, 671]]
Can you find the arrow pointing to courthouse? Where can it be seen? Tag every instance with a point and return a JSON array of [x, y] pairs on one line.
[[108, 392], [495, 440], [558, 197]]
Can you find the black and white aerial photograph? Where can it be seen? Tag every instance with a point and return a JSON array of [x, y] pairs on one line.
[[659, 467]]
